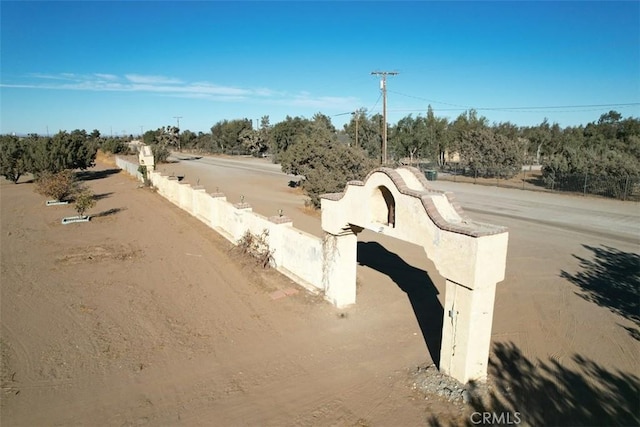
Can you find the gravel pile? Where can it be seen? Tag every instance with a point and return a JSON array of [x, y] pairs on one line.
[[432, 383]]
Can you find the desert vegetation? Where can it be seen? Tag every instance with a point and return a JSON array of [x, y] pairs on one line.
[[53, 160], [326, 158], [256, 248]]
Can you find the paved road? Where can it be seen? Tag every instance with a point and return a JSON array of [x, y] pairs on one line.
[[597, 217], [613, 219], [244, 163]]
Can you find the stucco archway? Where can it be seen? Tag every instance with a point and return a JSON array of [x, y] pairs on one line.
[[383, 206], [470, 255]]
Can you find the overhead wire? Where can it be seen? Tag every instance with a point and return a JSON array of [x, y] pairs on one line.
[[368, 115], [548, 108], [370, 111]]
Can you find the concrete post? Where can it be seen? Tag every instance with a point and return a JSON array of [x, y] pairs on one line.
[[466, 331], [340, 254]]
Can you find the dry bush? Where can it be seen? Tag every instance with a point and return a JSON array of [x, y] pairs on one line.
[[257, 248], [58, 185]]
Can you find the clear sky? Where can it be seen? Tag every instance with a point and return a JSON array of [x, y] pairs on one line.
[[123, 66]]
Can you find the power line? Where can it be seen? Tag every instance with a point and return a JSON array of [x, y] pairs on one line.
[[548, 107], [422, 110], [374, 105]]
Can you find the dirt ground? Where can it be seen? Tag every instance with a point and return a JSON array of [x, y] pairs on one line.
[[145, 316]]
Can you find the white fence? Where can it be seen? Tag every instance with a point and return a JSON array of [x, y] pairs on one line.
[[297, 254]]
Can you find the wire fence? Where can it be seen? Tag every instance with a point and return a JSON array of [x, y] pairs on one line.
[[622, 188]]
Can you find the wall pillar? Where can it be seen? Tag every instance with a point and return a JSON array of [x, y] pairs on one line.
[[466, 331], [340, 253]]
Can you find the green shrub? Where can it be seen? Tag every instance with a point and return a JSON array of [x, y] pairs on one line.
[[84, 201], [13, 158], [160, 153], [114, 146]]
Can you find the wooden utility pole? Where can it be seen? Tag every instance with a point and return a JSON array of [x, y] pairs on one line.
[[383, 87], [356, 115]]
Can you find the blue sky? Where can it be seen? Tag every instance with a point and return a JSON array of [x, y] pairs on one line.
[[126, 66]]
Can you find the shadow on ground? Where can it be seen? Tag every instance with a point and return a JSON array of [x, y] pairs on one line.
[[101, 196], [418, 286], [108, 212], [93, 175], [611, 279], [547, 393]]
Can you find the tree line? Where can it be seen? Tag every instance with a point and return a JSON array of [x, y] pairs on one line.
[[39, 155], [327, 158]]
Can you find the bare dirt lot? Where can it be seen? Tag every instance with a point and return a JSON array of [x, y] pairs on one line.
[[146, 316]]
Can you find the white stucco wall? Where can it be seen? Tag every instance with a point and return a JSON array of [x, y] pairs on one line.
[[297, 254], [301, 257]]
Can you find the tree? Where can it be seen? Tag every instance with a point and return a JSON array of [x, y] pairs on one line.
[[204, 142], [64, 150], [151, 136], [85, 200], [369, 133], [13, 161], [58, 186], [252, 141], [169, 136], [265, 131], [352, 129], [464, 123], [160, 153], [323, 122], [608, 147], [188, 139], [226, 134], [284, 134], [325, 164], [409, 138], [437, 136], [489, 154], [114, 145], [159, 141]]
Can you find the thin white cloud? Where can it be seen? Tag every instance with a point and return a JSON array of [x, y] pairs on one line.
[[62, 76], [170, 86], [152, 80], [106, 76]]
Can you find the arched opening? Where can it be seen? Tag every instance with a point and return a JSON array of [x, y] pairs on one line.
[[469, 258], [387, 265], [383, 206]]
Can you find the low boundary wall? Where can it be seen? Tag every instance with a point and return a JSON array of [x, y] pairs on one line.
[[130, 168], [296, 254]]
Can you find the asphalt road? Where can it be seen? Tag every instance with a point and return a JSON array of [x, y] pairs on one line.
[[597, 217], [613, 219]]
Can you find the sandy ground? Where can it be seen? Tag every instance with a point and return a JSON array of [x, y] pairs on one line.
[[146, 316]]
